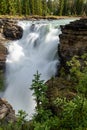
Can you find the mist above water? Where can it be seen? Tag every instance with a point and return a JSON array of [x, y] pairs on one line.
[[37, 50]]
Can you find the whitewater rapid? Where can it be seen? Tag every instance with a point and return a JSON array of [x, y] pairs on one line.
[[37, 50]]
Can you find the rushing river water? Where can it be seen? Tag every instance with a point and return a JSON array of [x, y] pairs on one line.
[[37, 50]]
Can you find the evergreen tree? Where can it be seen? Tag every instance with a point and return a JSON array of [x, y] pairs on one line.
[[32, 11], [56, 7], [50, 6], [44, 7], [61, 3], [18, 7], [25, 7], [36, 7], [65, 7], [11, 7], [3, 7], [78, 6], [39, 91], [39, 4]]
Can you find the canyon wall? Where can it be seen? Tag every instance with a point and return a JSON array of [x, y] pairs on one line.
[[73, 39]]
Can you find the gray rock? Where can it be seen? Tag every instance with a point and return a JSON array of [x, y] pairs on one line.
[[6, 111]]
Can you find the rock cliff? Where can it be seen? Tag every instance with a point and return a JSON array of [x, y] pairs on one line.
[[9, 30], [73, 39]]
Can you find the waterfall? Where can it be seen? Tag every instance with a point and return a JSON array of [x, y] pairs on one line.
[[37, 50]]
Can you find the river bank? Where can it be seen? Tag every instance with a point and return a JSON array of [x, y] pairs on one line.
[[36, 17]]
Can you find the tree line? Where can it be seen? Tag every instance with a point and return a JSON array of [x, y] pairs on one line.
[[43, 7]]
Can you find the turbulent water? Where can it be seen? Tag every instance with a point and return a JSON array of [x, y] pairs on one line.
[[37, 50]]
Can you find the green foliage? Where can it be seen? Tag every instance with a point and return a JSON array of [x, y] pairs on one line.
[[78, 73], [61, 3], [77, 69], [39, 90], [21, 117], [43, 7], [19, 124], [72, 114], [42, 113]]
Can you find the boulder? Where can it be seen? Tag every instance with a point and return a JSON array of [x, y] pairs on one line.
[[12, 31], [6, 111]]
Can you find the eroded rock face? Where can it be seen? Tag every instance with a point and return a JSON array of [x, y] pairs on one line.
[[6, 111], [73, 39]]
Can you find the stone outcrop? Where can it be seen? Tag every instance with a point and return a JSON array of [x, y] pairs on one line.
[[9, 30], [73, 39], [6, 112]]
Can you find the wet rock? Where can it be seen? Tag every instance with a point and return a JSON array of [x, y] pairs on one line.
[[12, 31]]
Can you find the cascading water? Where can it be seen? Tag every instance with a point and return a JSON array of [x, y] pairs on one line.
[[37, 50]]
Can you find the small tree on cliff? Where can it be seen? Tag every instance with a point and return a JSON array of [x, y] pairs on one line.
[[40, 96], [39, 90]]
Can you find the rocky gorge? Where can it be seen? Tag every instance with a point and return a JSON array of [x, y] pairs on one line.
[[9, 30], [73, 42]]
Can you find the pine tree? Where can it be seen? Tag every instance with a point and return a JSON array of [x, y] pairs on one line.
[[18, 7], [78, 6], [3, 7], [44, 7], [61, 3], [32, 11], [39, 7], [56, 7], [39, 90], [50, 6], [25, 7], [65, 9], [11, 7]]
